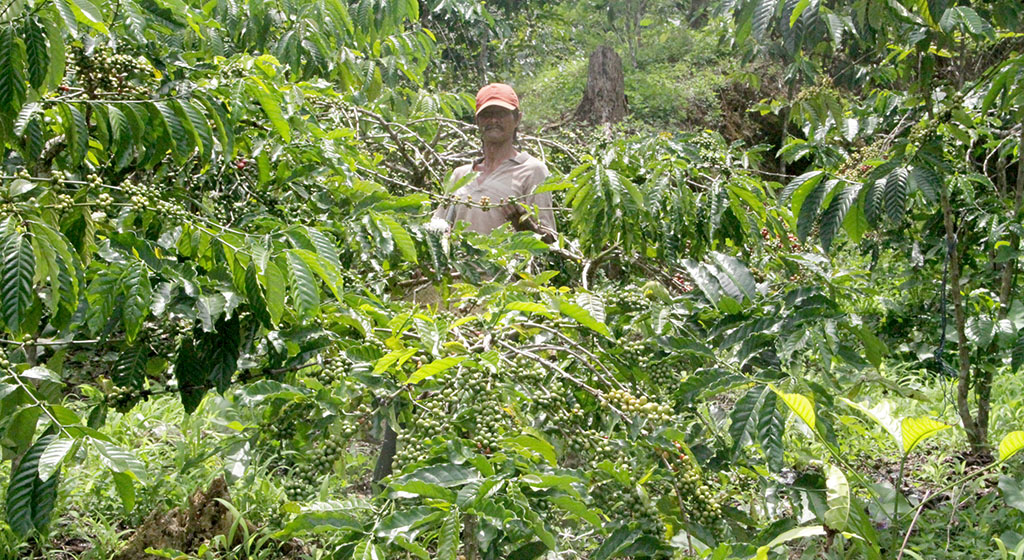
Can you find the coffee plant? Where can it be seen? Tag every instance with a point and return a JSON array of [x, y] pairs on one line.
[[226, 205]]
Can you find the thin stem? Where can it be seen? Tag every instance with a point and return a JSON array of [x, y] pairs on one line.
[[958, 482], [39, 404], [910, 529], [899, 490]]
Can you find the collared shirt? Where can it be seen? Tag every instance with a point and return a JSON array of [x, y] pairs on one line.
[[515, 177]]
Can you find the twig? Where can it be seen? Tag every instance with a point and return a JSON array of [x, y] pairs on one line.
[[910, 529]]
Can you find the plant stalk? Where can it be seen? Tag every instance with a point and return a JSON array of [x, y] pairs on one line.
[[964, 372]]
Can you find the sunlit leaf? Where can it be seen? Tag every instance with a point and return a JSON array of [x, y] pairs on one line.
[[800, 405], [916, 430], [837, 497], [1010, 445]]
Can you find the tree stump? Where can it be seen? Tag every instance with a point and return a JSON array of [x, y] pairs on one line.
[[604, 100]]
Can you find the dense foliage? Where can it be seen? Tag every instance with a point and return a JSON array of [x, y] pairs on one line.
[[214, 261]]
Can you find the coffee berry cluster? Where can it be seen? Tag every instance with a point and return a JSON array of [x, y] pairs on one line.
[[629, 298], [598, 447], [662, 376], [638, 406], [63, 201], [695, 494], [431, 421], [106, 71], [304, 478], [636, 353], [147, 197], [333, 371], [122, 399]]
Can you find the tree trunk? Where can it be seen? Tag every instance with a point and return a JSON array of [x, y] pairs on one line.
[[604, 100]]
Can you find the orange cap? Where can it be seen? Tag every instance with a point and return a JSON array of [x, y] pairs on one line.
[[501, 95]]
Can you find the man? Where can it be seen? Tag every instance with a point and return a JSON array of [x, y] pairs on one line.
[[501, 190], [504, 177]]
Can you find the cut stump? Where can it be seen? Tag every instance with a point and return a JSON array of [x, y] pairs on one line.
[[604, 100]]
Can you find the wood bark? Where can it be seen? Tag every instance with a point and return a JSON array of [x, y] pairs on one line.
[[604, 100], [963, 388]]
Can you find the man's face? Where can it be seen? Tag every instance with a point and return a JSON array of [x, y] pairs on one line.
[[497, 124]]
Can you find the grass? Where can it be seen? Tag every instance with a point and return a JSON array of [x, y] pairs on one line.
[[675, 85]]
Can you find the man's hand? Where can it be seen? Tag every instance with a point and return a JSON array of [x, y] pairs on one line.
[[523, 221]]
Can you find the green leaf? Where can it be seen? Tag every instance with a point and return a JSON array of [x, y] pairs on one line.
[[807, 204], [615, 543], [124, 484], [40, 373], [270, 107], [445, 475], [274, 286], [580, 315], [366, 550], [797, 10], [68, 15], [738, 273], [181, 146], [194, 120], [138, 294], [448, 537], [535, 444], [1012, 493], [434, 368], [800, 405], [209, 309], [304, 290], [86, 12], [325, 270], [225, 134], [1010, 445], [577, 508], [191, 377], [837, 498], [36, 52], [896, 187], [218, 352], [402, 238], [76, 133], [325, 247], [790, 535], [120, 461], [52, 457], [874, 203], [763, 13], [404, 520], [833, 217], [130, 367], [531, 307], [18, 266], [266, 389], [806, 182], [254, 295], [744, 418], [399, 357], [880, 414], [915, 430], [771, 426], [422, 489], [27, 113], [874, 348], [64, 267], [332, 521], [12, 78], [927, 181], [30, 499]]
